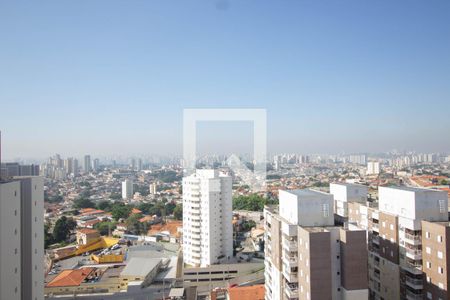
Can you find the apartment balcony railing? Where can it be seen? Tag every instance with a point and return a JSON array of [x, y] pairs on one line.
[[291, 290], [415, 283], [375, 227], [290, 276], [290, 245], [376, 239], [413, 253], [413, 296]]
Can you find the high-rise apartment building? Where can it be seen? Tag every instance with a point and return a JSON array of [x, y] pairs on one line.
[[307, 256], [397, 261], [96, 165], [207, 217], [139, 165], [436, 259], [22, 242], [343, 194], [87, 164], [373, 168], [127, 189]]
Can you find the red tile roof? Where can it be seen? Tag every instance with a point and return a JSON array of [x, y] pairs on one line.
[[70, 277], [254, 292]]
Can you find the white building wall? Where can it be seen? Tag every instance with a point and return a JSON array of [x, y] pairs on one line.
[[32, 235], [10, 259], [207, 203], [414, 203], [307, 207], [127, 189]]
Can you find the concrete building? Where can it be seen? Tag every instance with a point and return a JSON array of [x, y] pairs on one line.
[[373, 168], [344, 193], [207, 216], [153, 188], [10, 259], [87, 164], [127, 189], [395, 237], [96, 165], [306, 256], [22, 242], [436, 258]]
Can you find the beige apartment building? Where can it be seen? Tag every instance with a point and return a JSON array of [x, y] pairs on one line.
[[307, 256], [400, 253]]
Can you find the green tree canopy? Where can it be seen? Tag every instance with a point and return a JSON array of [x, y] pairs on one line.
[[252, 202], [83, 203], [62, 229], [178, 211], [120, 211]]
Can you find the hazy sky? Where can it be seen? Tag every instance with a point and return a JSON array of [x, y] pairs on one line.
[[105, 77]]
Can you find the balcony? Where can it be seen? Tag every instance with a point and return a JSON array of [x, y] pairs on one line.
[[415, 254], [376, 239], [415, 283], [412, 239], [290, 276], [290, 245], [375, 227], [290, 261], [413, 296], [291, 290]]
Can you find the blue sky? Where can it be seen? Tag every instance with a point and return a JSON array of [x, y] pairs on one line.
[[108, 77]]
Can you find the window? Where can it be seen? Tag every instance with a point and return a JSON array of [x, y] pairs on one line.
[[384, 224], [439, 238], [326, 210], [441, 285], [391, 227], [440, 255], [428, 250], [427, 235], [428, 265], [442, 207], [440, 270], [429, 295]]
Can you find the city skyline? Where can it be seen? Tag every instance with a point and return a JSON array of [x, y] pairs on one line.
[[107, 77]]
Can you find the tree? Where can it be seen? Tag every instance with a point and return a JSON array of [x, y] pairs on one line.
[[104, 205], [170, 207], [133, 224], [104, 228], [252, 202], [115, 196], [83, 203], [62, 229], [178, 211], [248, 225], [48, 237], [120, 211], [145, 208]]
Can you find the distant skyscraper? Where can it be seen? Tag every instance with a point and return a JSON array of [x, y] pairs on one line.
[[87, 163], [68, 165], [133, 164], [22, 239], [139, 165], [75, 167], [207, 217], [96, 165], [127, 189]]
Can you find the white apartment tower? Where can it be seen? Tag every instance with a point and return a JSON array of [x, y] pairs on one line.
[[22, 242], [344, 193], [127, 189], [373, 168], [207, 217]]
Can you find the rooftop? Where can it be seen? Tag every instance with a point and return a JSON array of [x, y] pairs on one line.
[[140, 266], [254, 292], [306, 192], [71, 277]]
